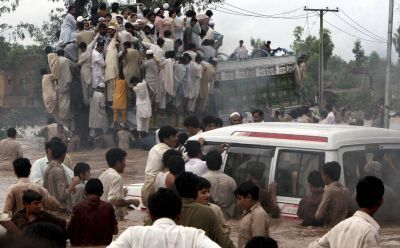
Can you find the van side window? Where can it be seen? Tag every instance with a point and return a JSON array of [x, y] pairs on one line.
[[243, 160], [292, 171]]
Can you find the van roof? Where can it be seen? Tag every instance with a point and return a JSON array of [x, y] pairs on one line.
[[312, 136]]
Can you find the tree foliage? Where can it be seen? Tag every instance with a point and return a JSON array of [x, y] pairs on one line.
[[256, 43], [359, 53], [396, 42]]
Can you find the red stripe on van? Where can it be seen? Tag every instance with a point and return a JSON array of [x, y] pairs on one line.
[[283, 136]]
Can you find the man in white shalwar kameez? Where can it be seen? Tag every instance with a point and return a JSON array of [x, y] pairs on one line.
[[143, 106], [130, 62], [166, 81], [111, 72], [151, 73], [68, 27], [85, 61], [97, 115], [49, 91], [98, 65], [156, 48], [195, 74]]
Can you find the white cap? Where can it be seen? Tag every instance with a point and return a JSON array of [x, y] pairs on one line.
[[120, 16], [234, 114], [102, 19], [111, 27], [156, 10], [148, 52], [151, 26], [138, 21], [101, 85], [211, 23], [80, 19], [165, 6]]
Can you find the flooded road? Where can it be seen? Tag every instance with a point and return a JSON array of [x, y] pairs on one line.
[[289, 233]]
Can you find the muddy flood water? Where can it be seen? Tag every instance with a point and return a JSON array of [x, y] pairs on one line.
[[289, 233]]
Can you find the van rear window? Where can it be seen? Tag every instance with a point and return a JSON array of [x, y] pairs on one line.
[[292, 171]]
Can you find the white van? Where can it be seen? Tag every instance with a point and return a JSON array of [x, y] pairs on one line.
[[290, 151]]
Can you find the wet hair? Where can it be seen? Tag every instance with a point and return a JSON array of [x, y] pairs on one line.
[[179, 42], [11, 132], [46, 233], [194, 19], [315, 179], [168, 154], [81, 168], [186, 58], [165, 132], [255, 170], [22, 167], [160, 42], [258, 111], [370, 191], [128, 25], [134, 80], [167, 33], [261, 242], [115, 155], [190, 13], [80, 25], [58, 149], [60, 52], [170, 54], [324, 114], [191, 121], [191, 46], [209, 13], [48, 49], [329, 107], [203, 184], [247, 188], [30, 196], [94, 187], [171, 12], [193, 148], [208, 120], [198, 58], [219, 122], [114, 7], [82, 45], [332, 170], [164, 204], [176, 165], [214, 160], [71, 7], [186, 184], [182, 138], [51, 120]]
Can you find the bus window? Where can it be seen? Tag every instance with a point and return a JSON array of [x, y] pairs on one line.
[[240, 159], [292, 171]]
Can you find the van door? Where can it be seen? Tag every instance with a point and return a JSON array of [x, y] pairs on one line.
[[291, 173]]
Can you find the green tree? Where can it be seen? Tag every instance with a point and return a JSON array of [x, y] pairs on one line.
[[256, 43], [396, 42], [359, 53]]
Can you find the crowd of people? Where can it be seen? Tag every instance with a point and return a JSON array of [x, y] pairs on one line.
[[130, 58]]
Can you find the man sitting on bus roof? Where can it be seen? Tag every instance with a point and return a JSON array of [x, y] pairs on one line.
[[336, 202]]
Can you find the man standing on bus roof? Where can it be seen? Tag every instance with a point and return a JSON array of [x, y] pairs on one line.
[[235, 118], [240, 53], [336, 202]]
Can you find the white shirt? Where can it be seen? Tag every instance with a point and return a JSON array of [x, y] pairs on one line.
[[358, 231], [143, 104], [169, 45], [164, 233], [98, 68], [241, 52], [154, 160], [197, 166], [112, 184], [330, 119], [40, 166], [158, 52]]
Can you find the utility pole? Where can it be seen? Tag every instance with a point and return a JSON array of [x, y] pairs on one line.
[[321, 51], [388, 66]]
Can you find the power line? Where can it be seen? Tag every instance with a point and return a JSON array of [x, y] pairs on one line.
[[283, 13], [378, 37], [375, 41], [364, 33]]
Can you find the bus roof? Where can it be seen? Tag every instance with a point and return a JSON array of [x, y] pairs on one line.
[[301, 135]]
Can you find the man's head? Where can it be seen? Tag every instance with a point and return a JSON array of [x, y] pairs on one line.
[[82, 170], [58, 150], [149, 54], [175, 165], [186, 185], [315, 180], [236, 118], [152, 17], [240, 43], [129, 27], [167, 135], [192, 125], [134, 81], [160, 42], [214, 160], [167, 34], [82, 46], [209, 123], [103, 29], [164, 204], [170, 54], [329, 107], [80, 26], [218, 122], [32, 201], [94, 187], [193, 149], [193, 21], [72, 9], [12, 133], [258, 115], [114, 7], [192, 47], [100, 47], [49, 235], [51, 120], [182, 138], [268, 43], [331, 172], [119, 19], [116, 159], [261, 242], [246, 194], [255, 171], [370, 191], [22, 167], [209, 13], [203, 191], [169, 153], [60, 52]]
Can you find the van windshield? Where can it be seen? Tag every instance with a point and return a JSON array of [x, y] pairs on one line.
[[244, 161]]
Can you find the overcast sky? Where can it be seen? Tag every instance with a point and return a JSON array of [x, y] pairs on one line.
[[371, 14]]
